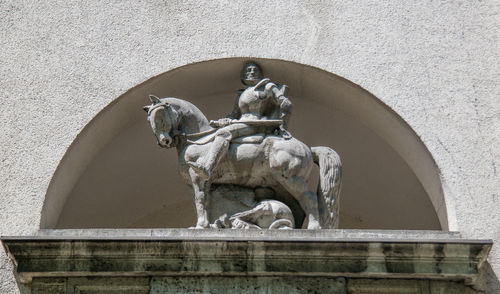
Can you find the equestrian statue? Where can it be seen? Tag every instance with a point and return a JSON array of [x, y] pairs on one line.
[[251, 159]]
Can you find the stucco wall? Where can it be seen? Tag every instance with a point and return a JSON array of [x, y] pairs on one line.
[[433, 62]]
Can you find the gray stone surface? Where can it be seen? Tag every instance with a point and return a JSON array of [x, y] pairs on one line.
[[91, 285], [207, 285], [187, 234], [433, 62], [365, 286], [277, 285], [242, 260]]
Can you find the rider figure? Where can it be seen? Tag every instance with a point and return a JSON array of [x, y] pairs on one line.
[[262, 100]]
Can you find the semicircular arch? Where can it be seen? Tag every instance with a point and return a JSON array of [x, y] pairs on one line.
[[114, 175]]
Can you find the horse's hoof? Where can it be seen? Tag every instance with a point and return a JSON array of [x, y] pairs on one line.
[[314, 226], [198, 228]]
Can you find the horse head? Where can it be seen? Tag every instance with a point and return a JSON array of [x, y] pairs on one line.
[[163, 119]]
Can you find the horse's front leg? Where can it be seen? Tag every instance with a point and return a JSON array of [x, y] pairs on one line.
[[200, 189]]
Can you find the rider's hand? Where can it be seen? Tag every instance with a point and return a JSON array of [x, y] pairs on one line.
[[220, 122]]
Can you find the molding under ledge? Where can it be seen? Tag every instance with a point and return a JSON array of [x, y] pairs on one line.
[[380, 254]]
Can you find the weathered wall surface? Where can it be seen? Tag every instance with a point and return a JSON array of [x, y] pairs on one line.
[[433, 62]]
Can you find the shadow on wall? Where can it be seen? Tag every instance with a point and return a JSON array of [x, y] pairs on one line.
[[115, 176], [487, 281]]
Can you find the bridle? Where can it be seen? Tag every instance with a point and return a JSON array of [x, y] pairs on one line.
[[157, 105], [176, 134]]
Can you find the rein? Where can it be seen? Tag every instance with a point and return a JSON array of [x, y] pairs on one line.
[[189, 137], [194, 135], [270, 122]]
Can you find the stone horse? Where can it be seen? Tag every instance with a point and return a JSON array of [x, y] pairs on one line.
[[276, 163]]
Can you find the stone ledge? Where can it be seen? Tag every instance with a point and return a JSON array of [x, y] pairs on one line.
[[181, 252], [225, 234]]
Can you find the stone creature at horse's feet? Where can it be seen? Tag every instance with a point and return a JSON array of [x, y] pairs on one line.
[[238, 223]]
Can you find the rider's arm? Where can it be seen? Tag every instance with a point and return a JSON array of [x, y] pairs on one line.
[[279, 95]]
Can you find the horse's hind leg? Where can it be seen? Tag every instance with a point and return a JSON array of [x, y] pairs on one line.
[[308, 200], [200, 187]]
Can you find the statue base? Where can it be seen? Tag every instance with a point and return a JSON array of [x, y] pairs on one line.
[[245, 261]]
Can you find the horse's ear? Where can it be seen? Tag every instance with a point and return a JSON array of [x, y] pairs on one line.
[[154, 99]]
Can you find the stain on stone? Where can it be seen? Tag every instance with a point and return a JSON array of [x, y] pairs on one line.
[[474, 251], [396, 260], [438, 256]]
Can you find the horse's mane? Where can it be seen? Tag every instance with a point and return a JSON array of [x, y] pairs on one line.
[[191, 117]]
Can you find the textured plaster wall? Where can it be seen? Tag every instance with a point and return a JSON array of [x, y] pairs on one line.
[[434, 62]]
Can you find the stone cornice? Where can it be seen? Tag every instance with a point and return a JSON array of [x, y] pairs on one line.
[[181, 252]]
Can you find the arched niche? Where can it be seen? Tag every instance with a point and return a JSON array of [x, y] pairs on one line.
[[115, 176]]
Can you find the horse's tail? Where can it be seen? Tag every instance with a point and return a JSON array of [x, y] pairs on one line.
[[330, 174]]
